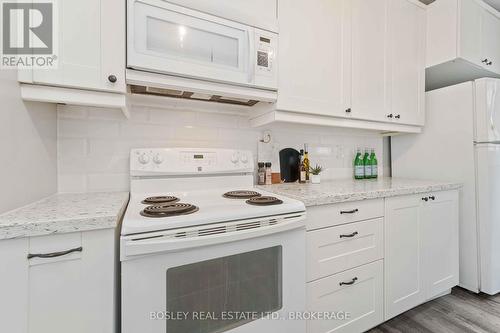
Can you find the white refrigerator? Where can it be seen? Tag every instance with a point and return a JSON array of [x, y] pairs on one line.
[[461, 142]]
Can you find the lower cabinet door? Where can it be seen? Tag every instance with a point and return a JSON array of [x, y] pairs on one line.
[[404, 283], [351, 301], [71, 283]]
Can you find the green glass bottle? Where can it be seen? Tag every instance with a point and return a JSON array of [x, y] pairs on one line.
[[359, 168], [374, 163], [367, 163]]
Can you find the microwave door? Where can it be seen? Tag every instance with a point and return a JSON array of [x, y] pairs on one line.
[[170, 39]]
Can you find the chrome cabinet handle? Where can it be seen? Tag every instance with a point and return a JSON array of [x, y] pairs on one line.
[[349, 211], [432, 197], [354, 279], [398, 116], [390, 115], [348, 110], [489, 63], [425, 199], [54, 254], [485, 61], [349, 235]]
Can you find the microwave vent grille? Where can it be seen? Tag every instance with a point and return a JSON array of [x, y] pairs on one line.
[[153, 91]]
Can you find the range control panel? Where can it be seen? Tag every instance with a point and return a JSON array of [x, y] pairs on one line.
[[188, 161]]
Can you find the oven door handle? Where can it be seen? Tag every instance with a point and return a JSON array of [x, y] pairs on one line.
[[164, 242]]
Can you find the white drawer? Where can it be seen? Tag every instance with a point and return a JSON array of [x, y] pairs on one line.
[[345, 212], [336, 249], [363, 299], [55, 248]]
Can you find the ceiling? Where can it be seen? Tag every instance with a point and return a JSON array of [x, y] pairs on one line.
[[493, 3]]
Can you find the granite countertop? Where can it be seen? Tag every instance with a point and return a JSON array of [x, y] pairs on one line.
[[63, 213], [344, 190]]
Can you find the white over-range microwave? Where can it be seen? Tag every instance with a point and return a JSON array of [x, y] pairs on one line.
[[168, 39]]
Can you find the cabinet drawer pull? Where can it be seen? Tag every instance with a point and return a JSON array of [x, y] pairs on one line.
[[112, 78], [485, 61], [349, 235], [354, 279], [348, 110], [349, 211], [425, 199], [432, 197], [390, 115], [397, 116], [489, 63], [54, 254]]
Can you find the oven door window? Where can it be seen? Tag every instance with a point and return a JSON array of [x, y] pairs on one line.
[[220, 294]]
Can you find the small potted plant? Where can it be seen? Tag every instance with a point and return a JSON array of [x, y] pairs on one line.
[[315, 177]]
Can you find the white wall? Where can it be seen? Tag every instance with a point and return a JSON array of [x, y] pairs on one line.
[[94, 143], [28, 135]]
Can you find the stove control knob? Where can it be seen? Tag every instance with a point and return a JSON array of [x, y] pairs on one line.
[[244, 158], [158, 159], [143, 158], [234, 158]]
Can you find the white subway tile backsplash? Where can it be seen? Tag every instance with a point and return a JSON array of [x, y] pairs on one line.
[[94, 143]]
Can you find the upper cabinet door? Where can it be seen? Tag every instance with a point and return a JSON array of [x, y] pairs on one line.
[[490, 46], [314, 56], [406, 54], [91, 39], [369, 61]]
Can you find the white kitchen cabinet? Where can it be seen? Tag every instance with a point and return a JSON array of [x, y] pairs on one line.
[[421, 249], [68, 292], [358, 61], [91, 47], [369, 60], [406, 59], [462, 42], [314, 56], [439, 218], [403, 254], [257, 13], [358, 292]]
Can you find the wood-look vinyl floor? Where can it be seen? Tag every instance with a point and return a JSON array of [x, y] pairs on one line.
[[460, 311]]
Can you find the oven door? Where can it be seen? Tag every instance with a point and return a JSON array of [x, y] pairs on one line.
[[245, 285], [170, 39]]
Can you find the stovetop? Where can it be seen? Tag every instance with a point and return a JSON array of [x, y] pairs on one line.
[[212, 207]]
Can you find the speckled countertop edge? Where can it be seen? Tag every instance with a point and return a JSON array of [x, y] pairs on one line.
[[348, 190], [65, 213]]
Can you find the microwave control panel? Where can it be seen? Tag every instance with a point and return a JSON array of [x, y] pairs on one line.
[[266, 52]]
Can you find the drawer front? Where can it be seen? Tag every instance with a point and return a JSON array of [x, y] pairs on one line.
[[55, 248], [346, 212], [361, 298], [336, 249]]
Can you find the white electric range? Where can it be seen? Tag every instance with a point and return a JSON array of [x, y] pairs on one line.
[[204, 251]]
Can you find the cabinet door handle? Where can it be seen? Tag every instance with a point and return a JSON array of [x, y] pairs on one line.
[[349, 235], [398, 116], [349, 211], [425, 199], [432, 197], [390, 115], [489, 63], [354, 279], [54, 254], [348, 110], [112, 78], [485, 61]]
